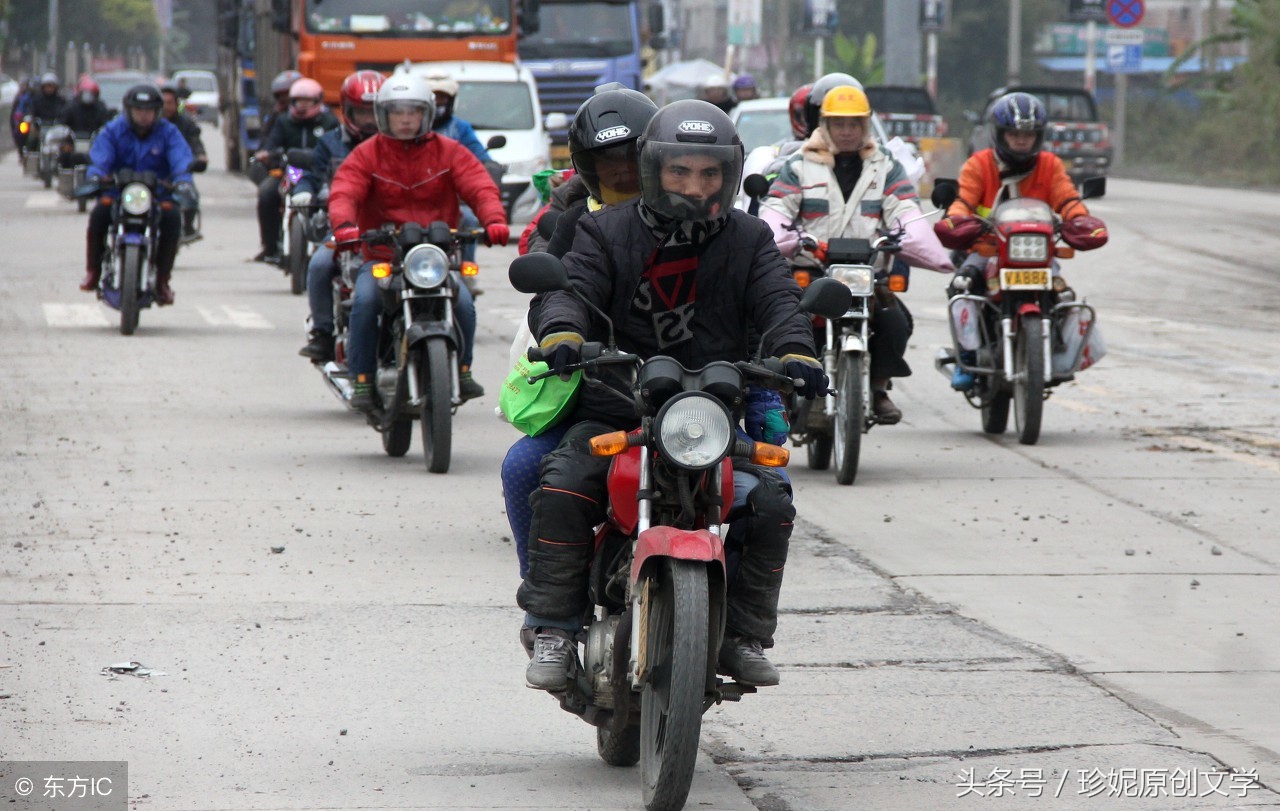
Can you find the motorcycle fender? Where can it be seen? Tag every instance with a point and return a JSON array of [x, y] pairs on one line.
[[681, 544], [1029, 308], [419, 331], [852, 343], [133, 238]]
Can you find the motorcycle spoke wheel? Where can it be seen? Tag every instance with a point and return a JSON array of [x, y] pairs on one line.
[[297, 258], [851, 416], [1028, 388], [671, 702], [130, 273], [435, 383]]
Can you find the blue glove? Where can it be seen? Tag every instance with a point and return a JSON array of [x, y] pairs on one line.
[[766, 417], [803, 367]]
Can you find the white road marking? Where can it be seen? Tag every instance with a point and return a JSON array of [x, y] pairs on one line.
[[227, 315], [44, 199], [57, 314]]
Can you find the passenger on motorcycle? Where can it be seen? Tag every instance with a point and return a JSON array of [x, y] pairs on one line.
[[308, 119], [280, 103], [459, 129], [173, 112], [406, 173], [745, 88], [358, 123], [681, 273], [843, 183], [86, 114], [1016, 166], [139, 139]]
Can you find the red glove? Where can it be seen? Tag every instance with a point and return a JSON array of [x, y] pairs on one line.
[[1084, 233], [346, 238], [958, 233], [497, 234]]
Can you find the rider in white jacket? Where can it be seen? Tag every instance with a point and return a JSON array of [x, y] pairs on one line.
[[842, 183]]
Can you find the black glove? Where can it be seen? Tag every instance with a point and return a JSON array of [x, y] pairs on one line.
[[561, 350], [808, 369], [185, 194], [200, 164]]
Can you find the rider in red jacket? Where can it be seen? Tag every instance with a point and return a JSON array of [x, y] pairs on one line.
[[406, 173]]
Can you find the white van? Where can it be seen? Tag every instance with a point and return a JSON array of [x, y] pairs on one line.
[[500, 98]]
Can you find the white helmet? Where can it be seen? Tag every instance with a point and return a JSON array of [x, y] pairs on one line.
[[442, 82], [405, 90]]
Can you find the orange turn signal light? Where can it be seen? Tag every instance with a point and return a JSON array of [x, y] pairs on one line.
[[276, 173], [24, 127], [470, 269], [381, 270], [768, 455], [897, 283], [1064, 251], [802, 277], [609, 444]]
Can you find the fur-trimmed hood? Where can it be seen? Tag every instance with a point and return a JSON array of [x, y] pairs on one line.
[[818, 147]]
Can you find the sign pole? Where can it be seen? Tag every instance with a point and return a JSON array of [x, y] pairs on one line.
[[818, 57], [931, 63], [1090, 45], [1122, 91]]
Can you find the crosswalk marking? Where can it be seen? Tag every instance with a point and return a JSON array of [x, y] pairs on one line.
[[227, 315], [44, 199], [57, 314]]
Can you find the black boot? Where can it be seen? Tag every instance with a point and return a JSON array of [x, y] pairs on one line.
[[319, 347]]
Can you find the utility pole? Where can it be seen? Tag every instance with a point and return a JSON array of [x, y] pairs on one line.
[[53, 35], [1015, 41], [901, 43]]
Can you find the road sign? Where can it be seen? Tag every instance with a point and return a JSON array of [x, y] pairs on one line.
[[1124, 36], [744, 22], [1083, 11], [934, 15], [1124, 58], [1125, 13]]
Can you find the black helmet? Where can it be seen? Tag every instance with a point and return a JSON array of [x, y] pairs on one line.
[[813, 105], [690, 128], [607, 125], [143, 97], [1018, 112]]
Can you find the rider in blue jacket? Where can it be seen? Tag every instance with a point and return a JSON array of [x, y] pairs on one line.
[[141, 140]]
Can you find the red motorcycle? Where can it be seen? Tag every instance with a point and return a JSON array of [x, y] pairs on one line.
[[658, 575]]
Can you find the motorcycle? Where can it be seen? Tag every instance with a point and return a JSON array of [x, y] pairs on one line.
[[73, 163], [294, 245], [1026, 319], [834, 425], [658, 574], [29, 130], [52, 137], [419, 337], [128, 278]]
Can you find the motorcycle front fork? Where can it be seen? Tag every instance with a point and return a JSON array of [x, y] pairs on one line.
[[1046, 339], [415, 393]]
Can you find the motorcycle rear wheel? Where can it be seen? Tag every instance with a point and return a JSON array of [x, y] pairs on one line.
[[130, 273], [435, 386], [851, 416], [297, 259], [671, 702], [1028, 388], [619, 749]]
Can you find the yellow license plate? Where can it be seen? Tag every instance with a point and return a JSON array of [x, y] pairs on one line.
[[1011, 279]]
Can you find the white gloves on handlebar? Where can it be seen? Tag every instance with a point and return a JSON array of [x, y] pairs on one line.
[[302, 198]]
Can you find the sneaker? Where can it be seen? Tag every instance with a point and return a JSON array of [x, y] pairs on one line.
[[962, 379], [272, 258], [468, 388], [554, 658], [886, 412], [362, 394], [744, 660], [319, 348], [527, 637]]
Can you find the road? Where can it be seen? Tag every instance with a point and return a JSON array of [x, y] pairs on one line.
[[1094, 615]]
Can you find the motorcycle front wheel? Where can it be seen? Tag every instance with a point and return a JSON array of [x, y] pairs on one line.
[[671, 700], [397, 434], [128, 281], [435, 387], [851, 415], [297, 257], [1028, 387]]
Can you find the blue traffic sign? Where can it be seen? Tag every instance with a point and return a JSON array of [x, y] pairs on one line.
[[1125, 13], [1124, 58]]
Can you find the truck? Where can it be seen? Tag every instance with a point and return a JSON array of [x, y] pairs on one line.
[[1074, 131], [327, 40], [579, 45]]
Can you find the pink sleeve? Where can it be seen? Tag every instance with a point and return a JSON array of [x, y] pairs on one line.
[[787, 238], [921, 248]]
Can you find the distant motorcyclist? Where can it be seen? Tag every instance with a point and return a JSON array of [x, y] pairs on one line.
[[715, 90], [744, 88], [47, 104], [843, 183], [449, 125], [359, 90], [279, 100], [86, 114], [141, 140], [174, 113], [308, 119], [1016, 166], [406, 173]]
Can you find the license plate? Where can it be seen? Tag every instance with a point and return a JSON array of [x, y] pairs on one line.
[[1011, 279]]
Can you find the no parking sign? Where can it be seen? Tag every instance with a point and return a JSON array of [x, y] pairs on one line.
[[1125, 13]]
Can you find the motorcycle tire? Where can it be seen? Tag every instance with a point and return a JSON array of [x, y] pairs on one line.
[[818, 443], [619, 749], [1028, 387], [82, 205], [297, 258], [671, 702], [995, 412], [435, 381], [47, 179], [129, 281], [851, 416]]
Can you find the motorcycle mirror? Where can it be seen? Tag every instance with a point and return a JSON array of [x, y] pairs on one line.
[[945, 192], [826, 297], [756, 186], [547, 224], [496, 142], [538, 273], [1093, 187]]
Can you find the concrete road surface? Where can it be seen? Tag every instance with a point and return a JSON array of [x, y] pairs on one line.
[[1084, 623]]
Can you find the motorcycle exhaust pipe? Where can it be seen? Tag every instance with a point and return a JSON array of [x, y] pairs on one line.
[[339, 382], [944, 360]]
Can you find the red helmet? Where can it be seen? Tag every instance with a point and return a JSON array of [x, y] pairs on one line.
[[359, 90], [87, 85], [799, 127]]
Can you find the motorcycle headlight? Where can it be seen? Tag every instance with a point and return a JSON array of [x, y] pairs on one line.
[[1029, 248], [426, 266], [694, 431], [858, 278], [136, 199]]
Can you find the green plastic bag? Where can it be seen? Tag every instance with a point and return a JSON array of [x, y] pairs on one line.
[[534, 407]]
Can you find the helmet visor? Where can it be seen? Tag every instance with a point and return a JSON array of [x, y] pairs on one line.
[[691, 182], [404, 119], [612, 174]]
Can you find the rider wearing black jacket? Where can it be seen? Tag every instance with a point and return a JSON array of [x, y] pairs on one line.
[[86, 114], [47, 103], [682, 273]]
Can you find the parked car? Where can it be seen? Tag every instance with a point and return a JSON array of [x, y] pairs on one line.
[[8, 89], [1074, 132], [115, 83], [907, 112], [203, 103]]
